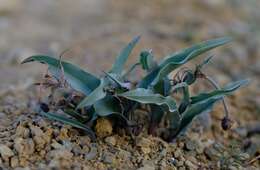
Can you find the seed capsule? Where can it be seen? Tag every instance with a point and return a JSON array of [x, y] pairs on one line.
[[44, 107], [226, 123]]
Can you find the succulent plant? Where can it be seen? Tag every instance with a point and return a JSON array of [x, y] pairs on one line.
[[89, 97]]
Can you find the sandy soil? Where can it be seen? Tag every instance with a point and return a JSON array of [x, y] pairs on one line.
[[94, 31]]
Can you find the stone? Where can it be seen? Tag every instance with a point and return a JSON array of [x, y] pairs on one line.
[[144, 145], [21, 131], [6, 152], [77, 150], [84, 140], [41, 138], [190, 145], [92, 154], [124, 155], [173, 161], [111, 140], [60, 154], [14, 162], [56, 145], [103, 127], [63, 135], [190, 165], [182, 168], [25, 168], [108, 158], [24, 147], [179, 163], [177, 153], [147, 166], [211, 153]]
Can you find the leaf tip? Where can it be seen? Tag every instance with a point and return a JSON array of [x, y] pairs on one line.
[[29, 59]]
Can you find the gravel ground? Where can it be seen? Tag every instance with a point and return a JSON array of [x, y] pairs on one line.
[[94, 31]]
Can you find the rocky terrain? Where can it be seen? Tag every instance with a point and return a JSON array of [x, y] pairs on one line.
[[94, 31]]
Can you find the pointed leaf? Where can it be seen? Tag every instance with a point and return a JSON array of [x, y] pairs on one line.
[[148, 79], [96, 95], [216, 93], [71, 122], [147, 61], [123, 56], [107, 106], [75, 115], [205, 62], [175, 121], [147, 96], [195, 110], [157, 113], [117, 79], [163, 87], [110, 106], [78, 79], [175, 60], [179, 86]]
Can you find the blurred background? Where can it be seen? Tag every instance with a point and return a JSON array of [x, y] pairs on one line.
[[95, 31]]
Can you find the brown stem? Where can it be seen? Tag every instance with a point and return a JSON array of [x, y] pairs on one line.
[[215, 84]]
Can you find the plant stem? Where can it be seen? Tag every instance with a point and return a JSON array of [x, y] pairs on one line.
[[131, 69], [215, 84]]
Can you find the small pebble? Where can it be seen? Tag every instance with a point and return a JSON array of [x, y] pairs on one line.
[[111, 140], [5, 152]]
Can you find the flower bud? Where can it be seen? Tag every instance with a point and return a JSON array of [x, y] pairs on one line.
[[226, 123]]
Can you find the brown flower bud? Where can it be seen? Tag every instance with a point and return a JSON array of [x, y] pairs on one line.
[[226, 123], [44, 107]]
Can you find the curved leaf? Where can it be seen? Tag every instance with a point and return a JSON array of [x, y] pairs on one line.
[[147, 61], [204, 62], [75, 115], [175, 60], [156, 116], [163, 87], [118, 80], [121, 59], [175, 121], [195, 110], [107, 106], [110, 106], [179, 86], [78, 79], [71, 122], [216, 93], [148, 79], [93, 97], [147, 96]]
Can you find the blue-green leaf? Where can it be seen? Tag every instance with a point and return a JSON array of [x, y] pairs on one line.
[[163, 87], [175, 60], [147, 96], [221, 92], [118, 80], [179, 86], [78, 79], [123, 56], [148, 79], [156, 115], [107, 106], [195, 110], [175, 120], [205, 62], [110, 106], [75, 115], [71, 122], [98, 94], [147, 61]]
